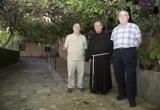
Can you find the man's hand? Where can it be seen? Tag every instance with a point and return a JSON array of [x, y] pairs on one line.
[[65, 50], [139, 41]]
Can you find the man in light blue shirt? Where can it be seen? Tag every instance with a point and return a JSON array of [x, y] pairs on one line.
[[126, 38]]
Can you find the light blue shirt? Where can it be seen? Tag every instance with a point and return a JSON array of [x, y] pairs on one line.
[[125, 36]]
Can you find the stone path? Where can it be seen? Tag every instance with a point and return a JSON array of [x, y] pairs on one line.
[[33, 84]]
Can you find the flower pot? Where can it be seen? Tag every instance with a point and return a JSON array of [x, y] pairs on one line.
[[146, 66]]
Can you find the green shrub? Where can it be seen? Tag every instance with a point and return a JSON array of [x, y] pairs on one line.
[[8, 57]]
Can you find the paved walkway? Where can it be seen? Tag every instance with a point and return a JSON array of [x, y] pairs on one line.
[[33, 84]]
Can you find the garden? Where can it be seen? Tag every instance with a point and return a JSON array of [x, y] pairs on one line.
[[47, 21]]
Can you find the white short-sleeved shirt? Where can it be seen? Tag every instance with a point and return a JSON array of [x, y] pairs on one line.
[[125, 37], [76, 46]]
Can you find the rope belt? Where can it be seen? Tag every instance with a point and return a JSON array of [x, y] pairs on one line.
[[96, 55]]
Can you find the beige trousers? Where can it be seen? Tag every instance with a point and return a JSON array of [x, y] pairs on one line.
[[74, 65]]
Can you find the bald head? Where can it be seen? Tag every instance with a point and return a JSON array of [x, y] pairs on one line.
[[76, 24], [123, 17], [123, 12]]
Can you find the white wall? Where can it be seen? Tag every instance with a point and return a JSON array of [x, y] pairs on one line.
[[33, 50]]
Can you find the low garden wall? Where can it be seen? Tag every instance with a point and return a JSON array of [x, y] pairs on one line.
[[148, 83]]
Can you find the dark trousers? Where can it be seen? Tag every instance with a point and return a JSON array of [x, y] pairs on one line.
[[125, 64]]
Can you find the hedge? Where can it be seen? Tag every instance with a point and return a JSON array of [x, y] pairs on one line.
[[8, 57]]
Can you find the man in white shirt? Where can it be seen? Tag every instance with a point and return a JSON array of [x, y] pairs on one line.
[[75, 45]]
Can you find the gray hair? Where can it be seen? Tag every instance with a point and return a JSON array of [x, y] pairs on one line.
[[123, 11]]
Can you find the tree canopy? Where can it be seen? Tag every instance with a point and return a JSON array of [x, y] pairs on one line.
[[48, 20]]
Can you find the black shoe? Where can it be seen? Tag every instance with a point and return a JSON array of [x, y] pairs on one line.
[[121, 97], [81, 89], [132, 103], [69, 90]]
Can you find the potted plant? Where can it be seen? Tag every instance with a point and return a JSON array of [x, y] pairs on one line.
[[150, 30], [145, 61], [155, 54]]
